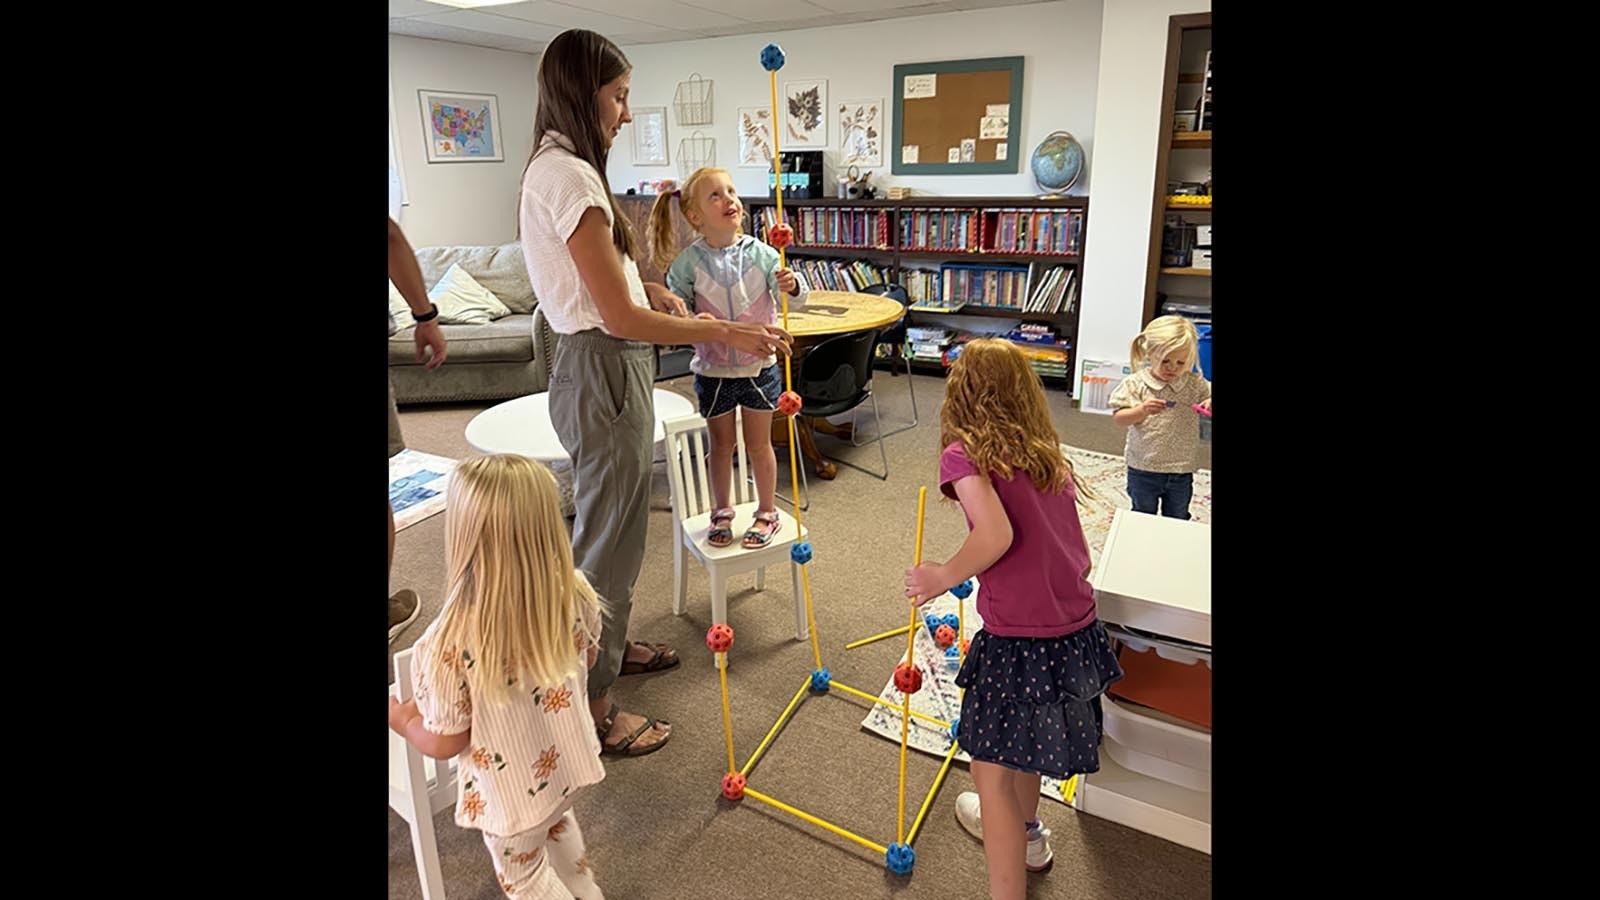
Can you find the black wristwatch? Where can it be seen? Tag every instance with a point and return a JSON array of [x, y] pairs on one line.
[[429, 316]]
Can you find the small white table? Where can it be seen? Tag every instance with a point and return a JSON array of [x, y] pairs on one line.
[[522, 426], [1154, 575]]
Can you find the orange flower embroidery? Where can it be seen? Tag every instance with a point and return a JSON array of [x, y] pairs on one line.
[[546, 763], [481, 758], [557, 700], [464, 704], [557, 830], [583, 866], [505, 885], [528, 857], [473, 804]]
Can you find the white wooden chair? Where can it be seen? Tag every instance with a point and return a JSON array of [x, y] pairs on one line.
[[419, 789], [687, 445]]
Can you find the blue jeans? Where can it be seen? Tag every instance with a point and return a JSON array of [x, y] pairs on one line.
[[1172, 491]]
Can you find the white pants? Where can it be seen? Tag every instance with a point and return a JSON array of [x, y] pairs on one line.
[[544, 863]]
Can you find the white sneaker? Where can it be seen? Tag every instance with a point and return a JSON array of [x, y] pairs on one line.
[[969, 814]]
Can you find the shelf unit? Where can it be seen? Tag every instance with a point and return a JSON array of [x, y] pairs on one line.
[[1188, 67], [986, 218]]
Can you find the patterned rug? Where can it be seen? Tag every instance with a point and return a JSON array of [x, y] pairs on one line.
[[1106, 475], [417, 483]]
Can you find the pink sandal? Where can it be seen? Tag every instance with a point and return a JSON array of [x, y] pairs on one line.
[[754, 539], [721, 533]]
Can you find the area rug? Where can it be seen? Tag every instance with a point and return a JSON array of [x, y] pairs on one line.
[[417, 483], [1107, 476]]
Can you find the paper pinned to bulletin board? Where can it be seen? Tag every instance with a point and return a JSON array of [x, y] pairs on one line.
[[1099, 379]]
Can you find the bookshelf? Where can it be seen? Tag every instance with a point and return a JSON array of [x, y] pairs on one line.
[[1173, 280], [1016, 262]]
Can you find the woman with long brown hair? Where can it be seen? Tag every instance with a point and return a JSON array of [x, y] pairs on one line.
[[580, 253]]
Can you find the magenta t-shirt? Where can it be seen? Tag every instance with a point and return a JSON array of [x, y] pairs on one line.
[[1040, 587]]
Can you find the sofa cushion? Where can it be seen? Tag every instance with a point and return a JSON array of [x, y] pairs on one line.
[[501, 269], [463, 301], [504, 340], [399, 309]]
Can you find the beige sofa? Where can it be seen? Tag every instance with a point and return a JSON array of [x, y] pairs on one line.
[[497, 361]]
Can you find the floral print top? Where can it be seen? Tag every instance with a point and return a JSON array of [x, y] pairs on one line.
[[525, 759]]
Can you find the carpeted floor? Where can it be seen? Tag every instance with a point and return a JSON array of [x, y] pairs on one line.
[[657, 828]]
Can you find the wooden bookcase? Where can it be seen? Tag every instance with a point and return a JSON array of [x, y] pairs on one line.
[[884, 245], [1181, 155]]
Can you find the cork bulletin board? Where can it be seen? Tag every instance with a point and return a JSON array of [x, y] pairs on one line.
[[958, 117]]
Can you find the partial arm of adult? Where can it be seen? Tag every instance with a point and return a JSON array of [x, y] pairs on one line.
[[600, 267], [407, 278]]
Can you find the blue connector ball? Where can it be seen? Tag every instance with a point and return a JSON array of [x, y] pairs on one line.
[[900, 858], [820, 679], [801, 552], [933, 622], [953, 620], [955, 726], [963, 590], [772, 57]]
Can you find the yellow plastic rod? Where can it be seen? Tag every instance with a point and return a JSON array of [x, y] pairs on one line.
[[877, 637], [868, 697], [777, 725], [905, 697], [750, 792], [932, 792], [727, 717]]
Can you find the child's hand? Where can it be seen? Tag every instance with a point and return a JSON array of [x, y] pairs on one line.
[[1153, 405], [707, 316], [401, 713], [1206, 404], [926, 582], [787, 282]]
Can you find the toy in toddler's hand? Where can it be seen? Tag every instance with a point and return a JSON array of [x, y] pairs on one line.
[[907, 678], [788, 403], [1202, 410], [780, 235], [944, 636], [963, 590], [719, 638]]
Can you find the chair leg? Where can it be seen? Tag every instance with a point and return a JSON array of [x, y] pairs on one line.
[[761, 578], [680, 580], [801, 631], [884, 476]]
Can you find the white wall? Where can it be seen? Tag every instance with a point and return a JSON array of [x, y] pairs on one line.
[[1127, 128], [1059, 43], [467, 202]]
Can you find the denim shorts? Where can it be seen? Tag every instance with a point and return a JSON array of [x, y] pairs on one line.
[[719, 396]]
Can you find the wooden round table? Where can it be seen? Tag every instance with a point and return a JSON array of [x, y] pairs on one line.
[[829, 314]]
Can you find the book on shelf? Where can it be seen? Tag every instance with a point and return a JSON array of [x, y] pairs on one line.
[[837, 274], [826, 226], [1037, 231]]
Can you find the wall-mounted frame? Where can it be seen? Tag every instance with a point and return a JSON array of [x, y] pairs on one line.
[[650, 136], [460, 127], [940, 105]]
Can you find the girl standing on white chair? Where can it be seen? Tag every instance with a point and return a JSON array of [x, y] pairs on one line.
[[500, 677], [726, 275]]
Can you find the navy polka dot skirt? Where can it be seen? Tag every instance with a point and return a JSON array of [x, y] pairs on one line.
[[1033, 704]]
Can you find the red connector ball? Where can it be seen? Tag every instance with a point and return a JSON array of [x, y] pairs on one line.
[[907, 678], [780, 235], [788, 403], [733, 786], [944, 636], [719, 638]]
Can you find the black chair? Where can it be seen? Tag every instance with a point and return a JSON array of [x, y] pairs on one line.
[[836, 377], [895, 337]]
